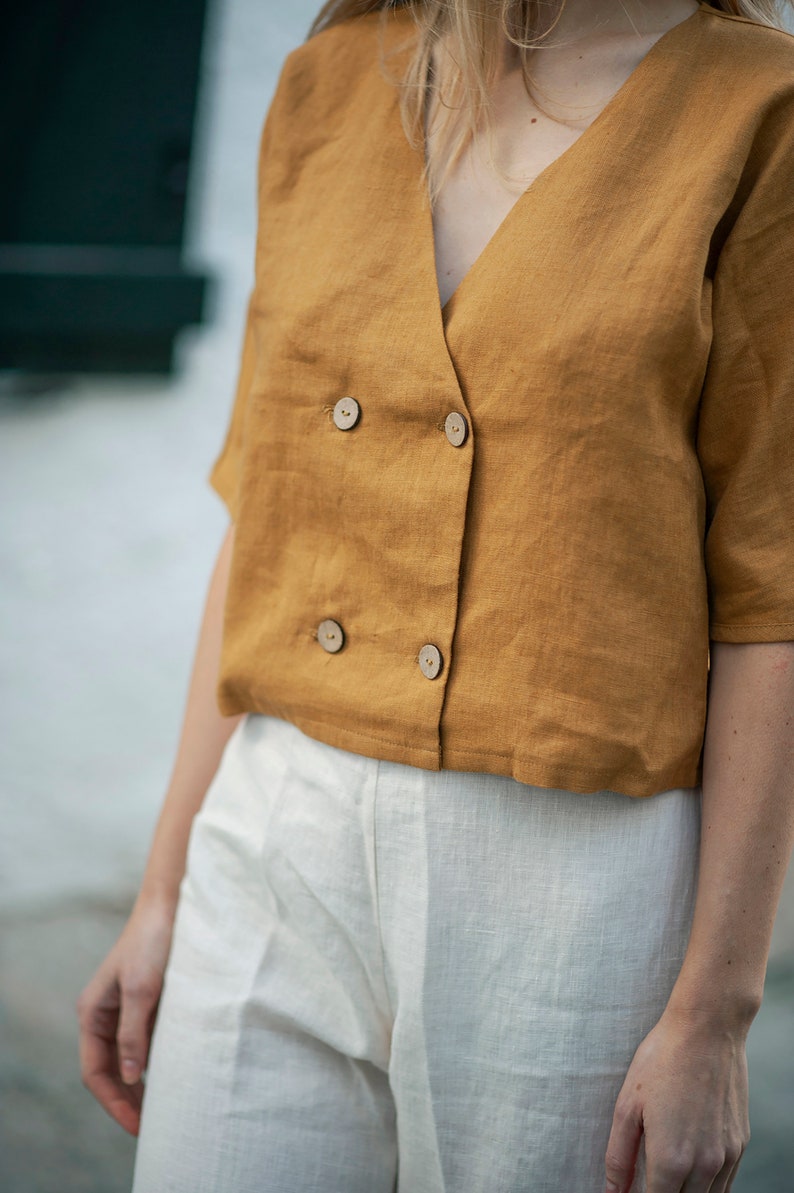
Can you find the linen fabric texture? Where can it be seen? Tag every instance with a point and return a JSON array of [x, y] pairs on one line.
[[384, 977], [623, 354]]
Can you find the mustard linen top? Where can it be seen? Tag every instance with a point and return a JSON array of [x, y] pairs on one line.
[[529, 587]]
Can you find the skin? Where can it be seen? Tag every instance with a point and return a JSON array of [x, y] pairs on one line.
[[116, 1010], [685, 1094]]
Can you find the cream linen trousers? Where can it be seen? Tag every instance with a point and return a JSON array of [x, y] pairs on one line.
[[385, 978]]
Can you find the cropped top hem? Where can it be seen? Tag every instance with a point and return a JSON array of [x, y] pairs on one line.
[[524, 768]]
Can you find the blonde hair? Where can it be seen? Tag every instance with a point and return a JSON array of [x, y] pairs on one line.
[[472, 33]]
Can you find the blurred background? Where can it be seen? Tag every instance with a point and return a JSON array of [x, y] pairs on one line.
[[108, 529]]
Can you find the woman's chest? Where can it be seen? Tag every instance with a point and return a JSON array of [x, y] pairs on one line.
[[524, 141], [603, 239], [474, 200]]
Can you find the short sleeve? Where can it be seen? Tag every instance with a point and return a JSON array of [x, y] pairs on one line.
[[745, 434]]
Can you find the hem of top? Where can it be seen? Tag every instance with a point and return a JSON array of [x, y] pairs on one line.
[[590, 780], [331, 730], [525, 769], [737, 631]]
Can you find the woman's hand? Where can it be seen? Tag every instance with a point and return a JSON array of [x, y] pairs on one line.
[[686, 1093], [117, 1009]]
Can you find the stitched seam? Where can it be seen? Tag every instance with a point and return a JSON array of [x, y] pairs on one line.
[[753, 625], [581, 770]]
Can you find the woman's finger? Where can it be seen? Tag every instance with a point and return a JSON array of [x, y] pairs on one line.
[[622, 1148], [100, 1073], [139, 997], [726, 1178], [706, 1173]]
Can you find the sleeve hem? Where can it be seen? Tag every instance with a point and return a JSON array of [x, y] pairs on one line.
[[220, 484], [773, 631]]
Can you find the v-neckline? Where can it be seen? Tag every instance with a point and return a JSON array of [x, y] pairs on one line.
[[644, 67]]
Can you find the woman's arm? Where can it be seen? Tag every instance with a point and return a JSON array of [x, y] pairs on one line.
[[117, 1007], [747, 832], [686, 1089], [204, 735]]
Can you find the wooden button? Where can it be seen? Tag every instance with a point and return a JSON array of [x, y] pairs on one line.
[[330, 635], [430, 661], [347, 412], [456, 428]]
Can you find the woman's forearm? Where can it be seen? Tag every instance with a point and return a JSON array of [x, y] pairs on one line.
[[686, 1091], [203, 738], [747, 831]]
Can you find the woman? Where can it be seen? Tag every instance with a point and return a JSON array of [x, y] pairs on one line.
[[482, 884]]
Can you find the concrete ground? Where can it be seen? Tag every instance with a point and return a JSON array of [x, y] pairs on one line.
[[107, 533]]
